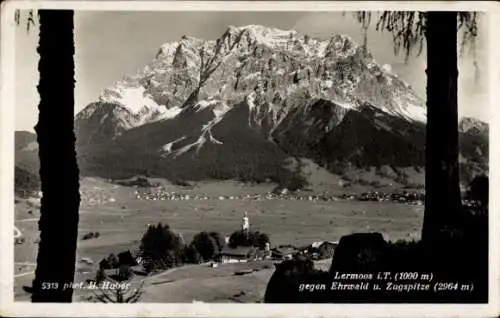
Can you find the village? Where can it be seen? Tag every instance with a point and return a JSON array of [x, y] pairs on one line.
[[405, 197], [129, 266], [220, 244]]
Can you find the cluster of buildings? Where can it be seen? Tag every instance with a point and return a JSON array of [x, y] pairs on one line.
[[94, 198], [409, 197], [163, 195], [316, 250]]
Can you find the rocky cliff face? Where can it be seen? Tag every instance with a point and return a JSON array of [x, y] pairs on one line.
[[273, 70], [237, 106]]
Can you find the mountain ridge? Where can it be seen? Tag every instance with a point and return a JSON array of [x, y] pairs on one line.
[[242, 105], [180, 68]]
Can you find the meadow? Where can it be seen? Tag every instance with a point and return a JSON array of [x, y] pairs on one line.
[[121, 219]]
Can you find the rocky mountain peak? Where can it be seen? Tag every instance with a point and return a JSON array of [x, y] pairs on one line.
[[277, 70]]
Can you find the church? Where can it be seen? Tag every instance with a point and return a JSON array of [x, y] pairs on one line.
[[242, 253]]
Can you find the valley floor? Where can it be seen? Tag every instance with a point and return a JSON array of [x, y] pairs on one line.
[[121, 219]]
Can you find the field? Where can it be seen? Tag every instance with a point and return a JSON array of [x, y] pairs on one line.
[[121, 219]]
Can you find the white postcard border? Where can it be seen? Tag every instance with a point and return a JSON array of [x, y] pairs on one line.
[[10, 308]]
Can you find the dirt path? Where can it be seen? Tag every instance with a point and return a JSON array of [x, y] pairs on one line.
[[24, 274], [28, 220]]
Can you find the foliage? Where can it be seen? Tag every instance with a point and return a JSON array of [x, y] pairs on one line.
[[124, 273], [478, 191], [261, 239], [325, 251], [191, 255], [109, 262], [118, 295], [295, 182], [248, 238], [161, 248], [100, 276], [25, 182], [90, 235], [126, 258], [408, 28], [206, 245], [151, 265], [219, 240]]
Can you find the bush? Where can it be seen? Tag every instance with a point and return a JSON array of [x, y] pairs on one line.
[[479, 190], [151, 265], [124, 273], [359, 252], [126, 258], [192, 255], [206, 245], [113, 260], [326, 251], [100, 276], [162, 246], [239, 238], [282, 286], [297, 182], [242, 238], [219, 239], [90, 235], [261, 240], [104, 264], [109, 262]]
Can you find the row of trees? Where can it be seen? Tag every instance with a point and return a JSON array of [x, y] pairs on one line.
[[162, 248]]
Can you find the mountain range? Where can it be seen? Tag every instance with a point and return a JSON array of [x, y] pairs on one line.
[[241, 106]]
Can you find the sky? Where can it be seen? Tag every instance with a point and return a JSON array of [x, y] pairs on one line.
[[110, 45]]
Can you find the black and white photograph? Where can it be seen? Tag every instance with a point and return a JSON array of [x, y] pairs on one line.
[[325, 154]]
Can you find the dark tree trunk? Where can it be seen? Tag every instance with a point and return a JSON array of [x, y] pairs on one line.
[[58, 223], [442, 191]]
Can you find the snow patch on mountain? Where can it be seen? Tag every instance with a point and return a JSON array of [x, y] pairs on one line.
[[271, 37], [219, 109], [413, 112], [167, 148], [133, 99], [138, 102], [250, 100], [104, 118], [170, 113]]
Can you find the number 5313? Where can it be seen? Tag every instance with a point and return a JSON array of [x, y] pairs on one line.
[[50, 285]]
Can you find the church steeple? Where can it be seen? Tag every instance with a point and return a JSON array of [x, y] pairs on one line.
[[245, 226]]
